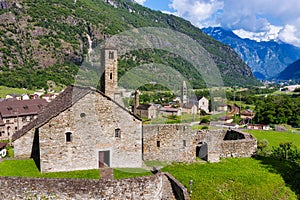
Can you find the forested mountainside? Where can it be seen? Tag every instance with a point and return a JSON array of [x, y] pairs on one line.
[[292, 72], [47, 40]]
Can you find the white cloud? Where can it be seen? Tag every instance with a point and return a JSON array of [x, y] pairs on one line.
[[196, 10], [256, 17], [271, 34], [290, 34], [140, 1]]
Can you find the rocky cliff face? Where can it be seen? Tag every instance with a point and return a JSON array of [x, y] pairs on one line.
[[266, 59]]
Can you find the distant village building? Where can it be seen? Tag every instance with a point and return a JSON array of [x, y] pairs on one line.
[[148, 111], [25, 97], [170, 111], [247, 116], [203, 104], [265, 127], [13, 96], [222, 108], [14, 114], [184, 93], [189, 108], [49, 97]]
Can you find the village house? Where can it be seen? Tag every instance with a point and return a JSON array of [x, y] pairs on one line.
[[14, 114], [203, 104], [247, 116], [148, 111], [166, 110], [49, 97], [13, 96], [189, 108], [265, 127]]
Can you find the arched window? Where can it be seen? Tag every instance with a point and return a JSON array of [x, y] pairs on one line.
[[111, 55], [118, 133], [68, 137]]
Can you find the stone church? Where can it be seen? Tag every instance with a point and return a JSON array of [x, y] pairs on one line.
[[83, 128]]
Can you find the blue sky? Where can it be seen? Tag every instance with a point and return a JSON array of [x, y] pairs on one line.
[[255, 19], [158, 5]]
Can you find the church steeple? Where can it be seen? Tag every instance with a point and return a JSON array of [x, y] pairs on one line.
[[109, 78], [184, 97]]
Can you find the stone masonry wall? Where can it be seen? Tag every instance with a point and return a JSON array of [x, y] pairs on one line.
[[23, 146], [239, 148], [92, 122], [168, 142], [148, 188]]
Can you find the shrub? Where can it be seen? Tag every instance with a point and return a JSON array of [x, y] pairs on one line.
[[263, 148], [286, 151]]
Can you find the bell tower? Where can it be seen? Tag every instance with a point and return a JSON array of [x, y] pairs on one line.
[[109, 78]]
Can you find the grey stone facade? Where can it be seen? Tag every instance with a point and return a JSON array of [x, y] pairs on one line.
[[177, 142], [75, 138]]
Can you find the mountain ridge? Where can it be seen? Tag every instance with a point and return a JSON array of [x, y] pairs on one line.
[[292, 72], [266, 59], [47, 40]]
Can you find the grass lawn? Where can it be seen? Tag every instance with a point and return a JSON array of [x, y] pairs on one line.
[[27, 168], [274, 138], [244, 178], [6, 90]]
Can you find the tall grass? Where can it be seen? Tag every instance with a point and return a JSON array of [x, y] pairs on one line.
[[244, 178]]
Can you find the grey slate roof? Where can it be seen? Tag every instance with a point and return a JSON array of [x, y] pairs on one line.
[[62, 102]]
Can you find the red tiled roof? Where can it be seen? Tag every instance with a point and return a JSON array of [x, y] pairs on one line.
[[143, 106], [12, 108]]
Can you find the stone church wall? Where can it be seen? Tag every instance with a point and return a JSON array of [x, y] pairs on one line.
[[168, 142], [93, 122]]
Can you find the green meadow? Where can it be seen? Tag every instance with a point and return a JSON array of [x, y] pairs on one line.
[[275, 138]]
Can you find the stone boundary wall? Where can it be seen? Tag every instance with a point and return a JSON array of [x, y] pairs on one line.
[[239, 148], [147, 187], [179, 190]]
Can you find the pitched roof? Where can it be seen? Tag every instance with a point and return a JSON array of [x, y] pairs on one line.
[[166, 109], [13, 108], [63, 101], [188, 105], [143, 106]]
